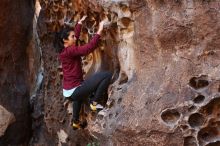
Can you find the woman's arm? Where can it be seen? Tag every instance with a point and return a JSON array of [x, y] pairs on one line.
[[85, 49], [89, 47], [78, 26], [101, 25], [77, 30]]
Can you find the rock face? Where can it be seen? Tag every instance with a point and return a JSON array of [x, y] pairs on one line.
[[165, 58], [16, 32]]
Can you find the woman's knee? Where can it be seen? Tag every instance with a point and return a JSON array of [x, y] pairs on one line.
[[107, 74], [102, 75]]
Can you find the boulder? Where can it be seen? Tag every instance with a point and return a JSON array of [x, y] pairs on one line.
[[6, 119]]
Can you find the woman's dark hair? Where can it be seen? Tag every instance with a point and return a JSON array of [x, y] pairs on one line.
[[59, 36]]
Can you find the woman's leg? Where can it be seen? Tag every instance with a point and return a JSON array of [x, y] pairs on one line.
[[102, 87], [96, 82], [76, 110]]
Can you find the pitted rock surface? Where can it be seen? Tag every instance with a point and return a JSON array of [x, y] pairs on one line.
[[165, 58]]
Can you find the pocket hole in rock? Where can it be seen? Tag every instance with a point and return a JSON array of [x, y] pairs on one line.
[[199, 82], [125, 21], [209, 134], [119, 100], [110, 103], [100, 117], [213, 107], [110, 116], [196, 120], [116, 114], [123, 78], [170, 116], [184, 127], [192, 108], [199, 99], [190, 141]]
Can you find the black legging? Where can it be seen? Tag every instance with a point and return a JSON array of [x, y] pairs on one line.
[[97, 84]]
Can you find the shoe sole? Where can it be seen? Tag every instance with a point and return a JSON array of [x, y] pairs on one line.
[[96, 109]]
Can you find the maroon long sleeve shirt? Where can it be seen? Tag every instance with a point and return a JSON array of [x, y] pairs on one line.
[[70, 58]]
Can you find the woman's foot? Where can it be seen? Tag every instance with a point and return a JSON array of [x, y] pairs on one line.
[[76, 125], [94, 106], [79, 125]]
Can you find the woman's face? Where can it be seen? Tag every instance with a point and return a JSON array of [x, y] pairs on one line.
[[71, 39]]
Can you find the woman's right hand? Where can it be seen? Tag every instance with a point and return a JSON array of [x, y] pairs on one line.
[[101, 26]]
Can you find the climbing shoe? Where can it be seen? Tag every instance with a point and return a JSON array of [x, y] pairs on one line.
[[94, 106], [76, 125], [79, 125]]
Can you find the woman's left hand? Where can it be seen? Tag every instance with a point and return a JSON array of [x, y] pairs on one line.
[[82, 19]]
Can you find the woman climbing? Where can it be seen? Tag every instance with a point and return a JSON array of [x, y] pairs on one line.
[[74, 87]]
